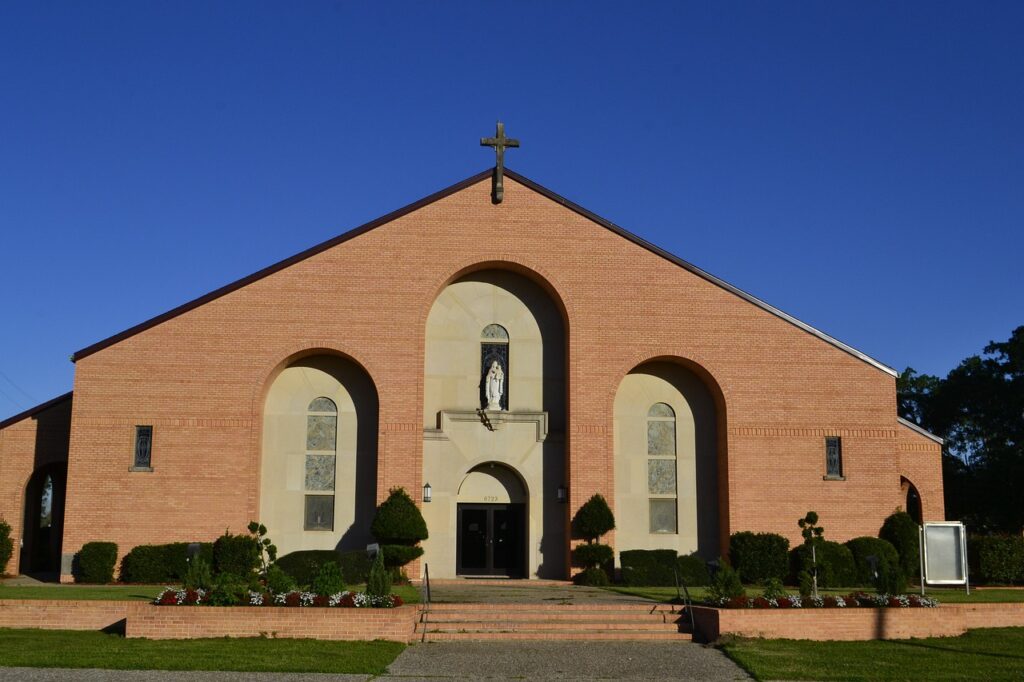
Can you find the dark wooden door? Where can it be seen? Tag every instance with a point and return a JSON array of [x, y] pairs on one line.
[[491, 540]]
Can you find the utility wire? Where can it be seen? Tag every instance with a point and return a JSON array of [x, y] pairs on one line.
[[20, 389]]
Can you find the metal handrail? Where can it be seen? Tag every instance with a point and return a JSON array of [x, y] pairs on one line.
[[425, 613], [687, 603]]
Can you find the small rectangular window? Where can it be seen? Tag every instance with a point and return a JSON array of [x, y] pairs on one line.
[[319, 512], [143, 447], [833, 457], [663, 515]]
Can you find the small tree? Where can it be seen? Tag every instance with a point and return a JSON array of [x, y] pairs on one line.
[[399, 527], [267, 549], [904, 533], [593, 520], [811, 533], [378, 583]]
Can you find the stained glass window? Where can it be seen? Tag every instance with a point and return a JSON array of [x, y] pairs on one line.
[[662, 486], [834, 457], [143, 447]]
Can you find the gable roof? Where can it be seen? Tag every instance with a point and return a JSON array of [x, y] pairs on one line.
[[924, 432], [472, 180], [33, 411]]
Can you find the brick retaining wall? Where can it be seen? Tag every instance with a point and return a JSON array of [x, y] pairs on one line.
[[855, 624], [61, 615], [184, 622]]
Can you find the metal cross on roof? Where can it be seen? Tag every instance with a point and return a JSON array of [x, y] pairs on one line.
[[500, 143]]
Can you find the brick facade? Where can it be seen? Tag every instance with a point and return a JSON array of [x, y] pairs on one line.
[[199, 377]]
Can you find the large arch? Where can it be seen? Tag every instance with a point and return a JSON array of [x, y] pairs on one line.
[[43, 529], [527, 435], [668, 445], [319, 441]]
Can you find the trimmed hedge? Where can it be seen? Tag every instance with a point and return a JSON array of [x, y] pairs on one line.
[[95, 562], [236, 555], [758, 557], [904, 534], [6, 546], [303, 565], [996, 558], [593, 519], [592, 554], [398, 526], [396, 556], [693, 571], [891, 579], [648, 567], [835, 564], [160, 563]]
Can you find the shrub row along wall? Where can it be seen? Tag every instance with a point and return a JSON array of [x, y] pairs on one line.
[[659, 567], [855, 624], [996, 559]]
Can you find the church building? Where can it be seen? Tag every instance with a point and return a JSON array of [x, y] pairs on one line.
[[499, 352]]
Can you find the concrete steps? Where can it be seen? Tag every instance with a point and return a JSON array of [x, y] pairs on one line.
[[627, 621]]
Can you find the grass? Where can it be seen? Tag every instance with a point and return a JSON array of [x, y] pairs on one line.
[[988, 654], [945, 596], [408, 593], [69, 649]]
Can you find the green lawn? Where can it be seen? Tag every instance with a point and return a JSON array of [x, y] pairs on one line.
[[945, 596], [68, 649], [988, 654], [408, 593]]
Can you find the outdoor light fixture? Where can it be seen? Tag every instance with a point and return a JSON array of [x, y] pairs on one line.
[[562, 494], [428, 492]]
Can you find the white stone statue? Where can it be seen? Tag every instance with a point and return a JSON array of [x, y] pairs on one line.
[[495, 386]]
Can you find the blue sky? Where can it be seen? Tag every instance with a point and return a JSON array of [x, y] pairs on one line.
[[859, 165]]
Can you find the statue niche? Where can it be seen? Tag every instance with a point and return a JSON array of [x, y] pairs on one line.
[[494, 368]]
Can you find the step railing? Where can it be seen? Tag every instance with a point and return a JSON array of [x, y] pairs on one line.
[[425, 612], [687, 604]]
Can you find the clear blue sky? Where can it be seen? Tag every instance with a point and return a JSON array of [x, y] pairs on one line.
[[859, 165]]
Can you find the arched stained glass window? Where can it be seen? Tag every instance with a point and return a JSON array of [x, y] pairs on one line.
[[321, 460], [661, 468]]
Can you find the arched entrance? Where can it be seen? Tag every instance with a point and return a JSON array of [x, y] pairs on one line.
[[491, 523], [912, 500], [44, 520]]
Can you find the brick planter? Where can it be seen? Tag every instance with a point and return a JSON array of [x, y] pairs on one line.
[[854, 623], [67, 614], [191, 622]]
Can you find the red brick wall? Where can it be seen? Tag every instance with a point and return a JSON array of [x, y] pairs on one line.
[[61, 615], [199, 378], [920, 460], [183, 622], [25, 446], [855, 624]]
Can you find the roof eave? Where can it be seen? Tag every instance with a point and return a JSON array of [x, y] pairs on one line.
[[32, 411], [924, 432]]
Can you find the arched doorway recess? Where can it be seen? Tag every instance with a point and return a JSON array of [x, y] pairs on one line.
[[491, 514]]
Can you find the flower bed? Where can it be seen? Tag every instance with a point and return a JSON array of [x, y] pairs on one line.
[[853, 600], [346, 600]]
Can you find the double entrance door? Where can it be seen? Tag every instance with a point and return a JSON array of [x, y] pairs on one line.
[[491, 540]]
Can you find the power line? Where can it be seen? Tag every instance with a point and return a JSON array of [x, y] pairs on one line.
[[20, 389]]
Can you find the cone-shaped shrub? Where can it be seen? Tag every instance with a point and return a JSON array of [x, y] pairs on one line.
[[378, 584], [399, 526]]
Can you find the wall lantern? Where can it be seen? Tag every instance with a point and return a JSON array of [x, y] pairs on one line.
[[428, 492], [562, 494]]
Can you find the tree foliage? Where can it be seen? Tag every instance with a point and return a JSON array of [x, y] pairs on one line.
[[979, 410]]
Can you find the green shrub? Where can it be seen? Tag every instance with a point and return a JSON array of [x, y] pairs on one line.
[[759, 556], [399, 522], [648, 567], [835, 564], [198, 576], [805, 583], [593, 519], [890, 578], [996, 559], [95, 562], [594, 576], [592, 554], [229, 589], [693, 571], [725, 583], [160, 563], [303, 565], [237, 555], [904, 534], [773, 589], [378, 583], [328, 580], [6, 545], [396, 556]]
